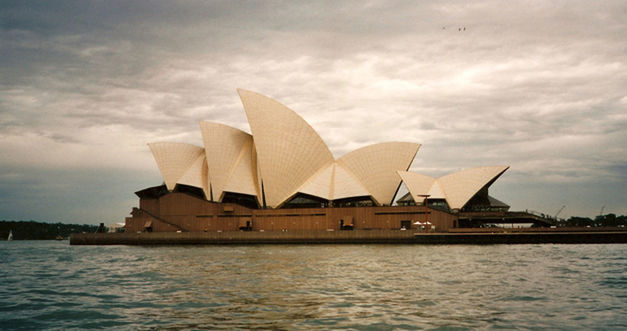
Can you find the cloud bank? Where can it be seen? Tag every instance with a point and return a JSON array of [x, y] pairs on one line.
[[534, 85]]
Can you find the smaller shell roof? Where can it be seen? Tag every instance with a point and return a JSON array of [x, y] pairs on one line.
[[229, 152], [457, 188], [461, 186], [375, 166], [243, 176], [196, 175], [420, 184], [175, 159]]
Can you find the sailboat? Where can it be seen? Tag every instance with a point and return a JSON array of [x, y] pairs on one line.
[[10, 235]]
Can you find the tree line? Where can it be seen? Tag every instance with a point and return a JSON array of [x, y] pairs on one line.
[[32, 230], [601, 220]]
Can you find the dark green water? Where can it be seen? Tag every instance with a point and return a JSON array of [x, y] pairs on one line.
[[50, 285]]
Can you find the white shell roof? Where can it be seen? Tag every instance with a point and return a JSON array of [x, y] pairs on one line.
[[417, 184], [457, 188], [289, 151], [320, 184], [334, 182], [346, 184], [436, 191], [243, 178], [287, 156], [197, 175], [174, 160], [375, 167], [229, 159]]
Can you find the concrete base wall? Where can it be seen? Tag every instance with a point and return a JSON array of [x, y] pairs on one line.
[[243, 237], [343, 237]]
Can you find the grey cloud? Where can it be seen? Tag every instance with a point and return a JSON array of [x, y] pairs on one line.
[[539, 86]]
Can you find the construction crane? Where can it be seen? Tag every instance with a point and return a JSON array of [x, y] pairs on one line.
[[601, 212], [559, 211]]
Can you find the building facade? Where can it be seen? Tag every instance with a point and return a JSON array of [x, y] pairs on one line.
[[282, 176]]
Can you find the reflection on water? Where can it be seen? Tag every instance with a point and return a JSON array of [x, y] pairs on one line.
[[53, 285]]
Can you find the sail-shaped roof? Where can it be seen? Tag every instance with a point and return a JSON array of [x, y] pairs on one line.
[[320, 184], [289, 151], [375, 167], [285, 156], [229, 155], [417, 184], [461, 186], [346, 184], [457, 188], [436, 191], [197, 175], [174, 160], [243, 178], [334, 182]]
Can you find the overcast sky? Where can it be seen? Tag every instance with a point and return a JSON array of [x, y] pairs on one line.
[[539, 86]]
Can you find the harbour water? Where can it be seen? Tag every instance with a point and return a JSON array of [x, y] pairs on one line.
[[51, 285]]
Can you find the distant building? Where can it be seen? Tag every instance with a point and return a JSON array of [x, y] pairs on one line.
[[116, 227], [283, 177]]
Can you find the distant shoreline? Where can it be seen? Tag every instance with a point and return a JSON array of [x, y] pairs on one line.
[[33, 230]]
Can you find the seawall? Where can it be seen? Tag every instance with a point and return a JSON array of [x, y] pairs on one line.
[[346, 237]]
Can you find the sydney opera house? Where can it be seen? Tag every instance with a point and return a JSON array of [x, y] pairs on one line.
[[282, 177]]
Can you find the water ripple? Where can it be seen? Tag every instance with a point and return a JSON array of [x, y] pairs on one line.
[[50, 285]]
